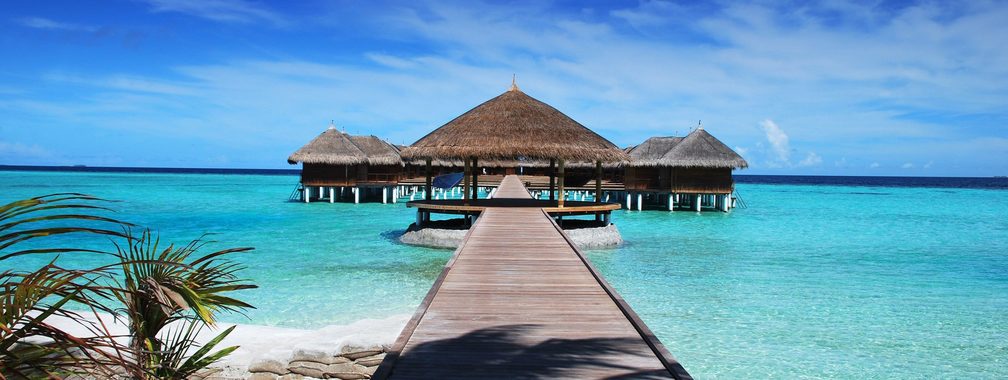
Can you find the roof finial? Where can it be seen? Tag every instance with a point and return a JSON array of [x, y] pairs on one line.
[[332, 124], [514, 83], [699, 124]]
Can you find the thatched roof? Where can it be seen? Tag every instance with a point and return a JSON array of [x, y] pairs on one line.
[[697, 150], [701, 150], [378, 151], [651, 151], [338, 148], [513, 125], [331, 147]]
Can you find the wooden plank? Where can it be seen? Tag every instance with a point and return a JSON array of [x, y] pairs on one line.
[[518, 300]]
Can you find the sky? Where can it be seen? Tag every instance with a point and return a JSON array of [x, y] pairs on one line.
[[821, 87]]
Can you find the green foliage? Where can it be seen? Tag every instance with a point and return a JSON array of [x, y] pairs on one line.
[[169, 294], [167, 297], [30, 346]]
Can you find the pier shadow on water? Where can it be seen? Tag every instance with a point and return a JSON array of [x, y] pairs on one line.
[[503, 352]]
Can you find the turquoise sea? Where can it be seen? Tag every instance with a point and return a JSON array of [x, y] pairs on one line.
[[810, 281]]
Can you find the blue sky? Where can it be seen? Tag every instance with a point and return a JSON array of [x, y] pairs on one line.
[[830, 87]]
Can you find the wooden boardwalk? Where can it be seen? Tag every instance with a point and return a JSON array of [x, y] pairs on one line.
[[519, 301]]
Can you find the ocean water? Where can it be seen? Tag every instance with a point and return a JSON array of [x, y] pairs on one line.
[[817, 278]]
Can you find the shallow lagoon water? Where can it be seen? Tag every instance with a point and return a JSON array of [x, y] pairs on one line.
[[810, 281]]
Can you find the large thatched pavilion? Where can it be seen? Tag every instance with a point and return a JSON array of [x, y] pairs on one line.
[[689, 172], [513, 127], [339, 166]]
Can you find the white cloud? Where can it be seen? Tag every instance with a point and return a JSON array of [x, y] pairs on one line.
[[49, 24], [928, 164], [778, 141], [908, 165], [762, 61], [811, 159], [228, 11], [874, 165]]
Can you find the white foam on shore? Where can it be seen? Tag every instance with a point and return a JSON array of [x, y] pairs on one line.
[[258, 342]]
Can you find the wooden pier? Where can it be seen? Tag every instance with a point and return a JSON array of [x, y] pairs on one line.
[[519, 300]]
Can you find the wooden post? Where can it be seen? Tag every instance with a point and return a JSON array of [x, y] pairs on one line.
[[560, 185], [356, 195], [670, 204], [697, 200], [475, 183], [307, 194], [465, 186], [384, 195], [628, 199], [640, 201], [427, 172], [598, 181], [332, 194], [395, 194], [419, 217], [552, 177]]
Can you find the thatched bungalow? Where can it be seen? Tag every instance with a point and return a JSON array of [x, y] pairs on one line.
[[513, 126], [339, 165], [687, 172]]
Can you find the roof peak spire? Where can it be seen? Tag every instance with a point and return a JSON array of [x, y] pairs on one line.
[[332, 124], [699, 125], [514, 83]]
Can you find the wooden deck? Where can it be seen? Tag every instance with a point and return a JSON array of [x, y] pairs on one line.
[[518, 301]]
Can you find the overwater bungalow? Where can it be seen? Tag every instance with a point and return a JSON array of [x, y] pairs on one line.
[[692, 172], [512, 127], [338, 166]]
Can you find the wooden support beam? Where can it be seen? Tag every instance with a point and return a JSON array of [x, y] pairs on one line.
[[598, 181], [427, 173], [552, 177], [560, 186], [475, 178], [465, 186]]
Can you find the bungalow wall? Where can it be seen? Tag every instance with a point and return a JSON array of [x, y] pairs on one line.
[[679, 180], [350, 175]]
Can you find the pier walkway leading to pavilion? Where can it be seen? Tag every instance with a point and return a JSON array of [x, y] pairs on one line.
[[518, 300]]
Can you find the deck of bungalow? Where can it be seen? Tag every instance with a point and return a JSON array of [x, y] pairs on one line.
[[519, 300]]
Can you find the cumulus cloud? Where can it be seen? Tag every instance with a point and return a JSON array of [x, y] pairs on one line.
[[778, 140], [780, 148]]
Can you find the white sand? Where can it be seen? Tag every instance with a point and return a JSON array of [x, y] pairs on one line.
[[278, 343]]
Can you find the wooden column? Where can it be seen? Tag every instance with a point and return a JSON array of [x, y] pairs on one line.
[[475, 181], [560, 185], [465, 185], [427, 172], [598, 181], [552, 175]]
